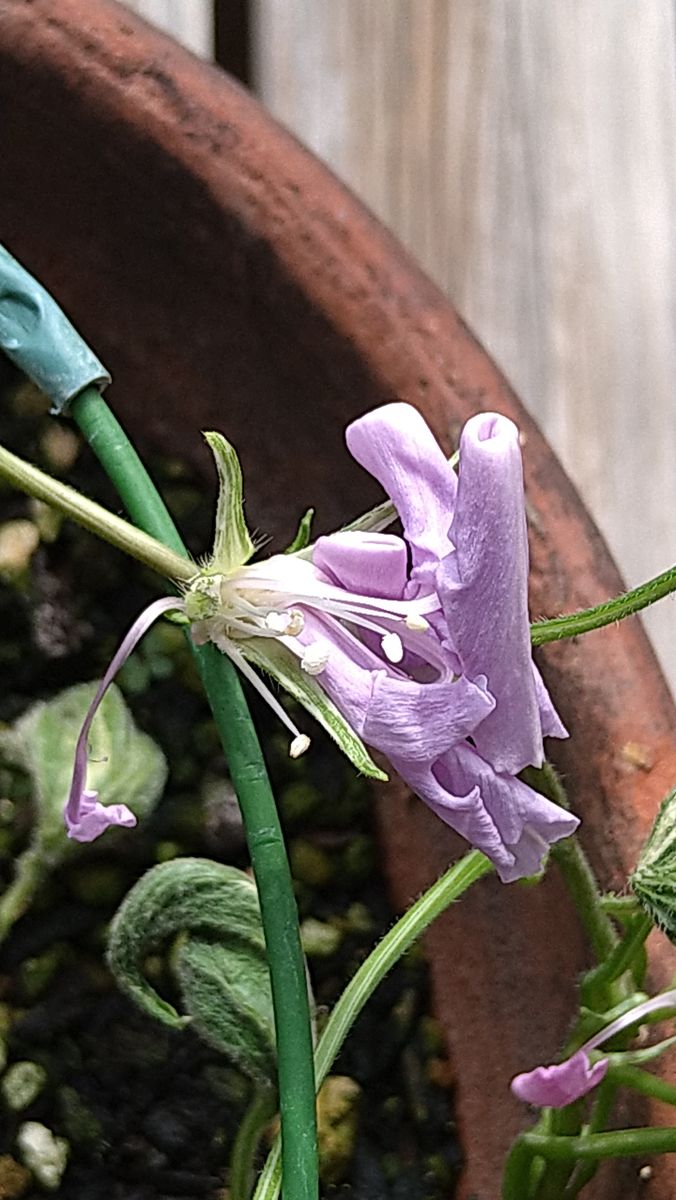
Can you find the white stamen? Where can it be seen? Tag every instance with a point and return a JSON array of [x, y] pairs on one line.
[[416, 622], [299, 745], [238, 658], [278, 622], [392, 647], [314, 659]]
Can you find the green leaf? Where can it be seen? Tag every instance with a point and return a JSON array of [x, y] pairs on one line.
[[219, 959], [125, 765], [654, 880], [283, 666], [232, 542], [302, 538]]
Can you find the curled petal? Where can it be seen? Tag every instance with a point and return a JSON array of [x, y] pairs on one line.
[[559, 1085], [420, 722], [94, 818], [85, 817], [511, 823], [372, 564], [396, 446], [552, 725], [483, 590]]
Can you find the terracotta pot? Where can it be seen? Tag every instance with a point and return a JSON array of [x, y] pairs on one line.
[[229, 280]]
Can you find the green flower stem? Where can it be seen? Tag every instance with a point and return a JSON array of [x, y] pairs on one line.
[[618, 1143], [172, 563], [259, 812], [245, 1146], [517, 1180], [576, 870], [627, 1075], [621, 958], [554, 1176], [599, 1118], [604, 614], [29, 872], [380, 961]]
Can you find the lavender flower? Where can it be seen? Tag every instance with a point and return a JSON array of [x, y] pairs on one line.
[[561, 1084], [417, 645]]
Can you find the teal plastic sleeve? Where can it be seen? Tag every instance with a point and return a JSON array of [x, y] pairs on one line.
[[40, 339]]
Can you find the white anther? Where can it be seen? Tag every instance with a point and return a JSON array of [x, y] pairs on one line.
[[392, 647], [299, 745], [315, 658], [278, 622], [416, 622], [296, 622]]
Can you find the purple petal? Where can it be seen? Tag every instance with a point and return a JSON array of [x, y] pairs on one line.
[[350, 670], [511, 823], [370, 564], [394, 714], [559, 1085], [419, 722], [552, 725], [85, 817], [94, 818], [396, 446], [483, 590]]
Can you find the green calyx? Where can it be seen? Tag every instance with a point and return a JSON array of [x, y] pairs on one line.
[[233, 545]]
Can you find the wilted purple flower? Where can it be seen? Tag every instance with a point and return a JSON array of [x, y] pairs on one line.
[[418, 646], [561, 1084]]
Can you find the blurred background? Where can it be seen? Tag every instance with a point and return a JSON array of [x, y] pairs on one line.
[[525, 153]]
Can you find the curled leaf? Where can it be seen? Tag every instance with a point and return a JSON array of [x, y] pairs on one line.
[[212, 914]]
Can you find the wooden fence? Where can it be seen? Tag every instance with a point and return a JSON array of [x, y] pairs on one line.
[[526, 153]]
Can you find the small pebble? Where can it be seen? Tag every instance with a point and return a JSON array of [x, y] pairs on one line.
[[310, 864], [18, 542], [319, 939], [22, 1083], [47, 520], [43, 1153], [60, 447], [14, 1179], [337, 1122]]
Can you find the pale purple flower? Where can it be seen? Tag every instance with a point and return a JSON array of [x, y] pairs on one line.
[[85, 816], [419, 645], [467, 547], [561, 1084]]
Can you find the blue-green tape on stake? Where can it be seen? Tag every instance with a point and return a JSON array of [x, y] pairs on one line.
[[40, 339]]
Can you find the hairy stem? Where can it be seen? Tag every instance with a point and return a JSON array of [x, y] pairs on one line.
[[607, 613], [95, 518]]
